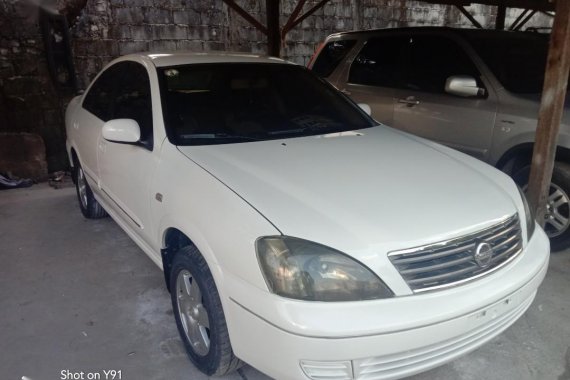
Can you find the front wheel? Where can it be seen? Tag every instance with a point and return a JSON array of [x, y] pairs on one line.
[[557, 215], [199, 314]]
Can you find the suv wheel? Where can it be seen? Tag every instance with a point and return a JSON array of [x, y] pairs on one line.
[[557, 216]]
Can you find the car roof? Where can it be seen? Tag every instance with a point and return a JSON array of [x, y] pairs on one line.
[[467, 32], [183, 58]]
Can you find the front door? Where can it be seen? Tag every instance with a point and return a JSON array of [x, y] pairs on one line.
[[422, 106], [126, 169]]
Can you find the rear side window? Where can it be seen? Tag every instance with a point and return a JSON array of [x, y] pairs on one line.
[[330, 56], [381, 62]]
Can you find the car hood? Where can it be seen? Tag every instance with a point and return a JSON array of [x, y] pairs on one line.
[[361, 189]]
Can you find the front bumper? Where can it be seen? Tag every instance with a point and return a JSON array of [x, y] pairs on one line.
[[384, 339]]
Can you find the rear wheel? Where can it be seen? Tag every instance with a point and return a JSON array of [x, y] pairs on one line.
[[89, 206], [557, 216], [199, 314]]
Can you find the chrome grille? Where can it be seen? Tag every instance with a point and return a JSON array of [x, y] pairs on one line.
[[452, 262]]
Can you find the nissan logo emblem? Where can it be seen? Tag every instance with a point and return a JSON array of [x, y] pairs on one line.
[[483, 254]]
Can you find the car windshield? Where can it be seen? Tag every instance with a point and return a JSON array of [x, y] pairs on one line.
[[238, 102], [518, 60]]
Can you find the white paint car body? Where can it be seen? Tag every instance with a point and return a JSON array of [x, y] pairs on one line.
[[366, 193]]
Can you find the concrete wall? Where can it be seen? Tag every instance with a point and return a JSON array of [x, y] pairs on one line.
[[105, 29]]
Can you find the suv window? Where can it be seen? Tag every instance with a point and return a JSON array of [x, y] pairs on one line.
[[419, 63], [123, 92], [433, 59], [518, 60], [381, 62], [330, 56]]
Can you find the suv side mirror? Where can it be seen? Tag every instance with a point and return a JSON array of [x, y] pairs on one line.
[[463, 85], [122, 131]]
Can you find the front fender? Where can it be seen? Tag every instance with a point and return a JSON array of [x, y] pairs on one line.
[[218, 221]]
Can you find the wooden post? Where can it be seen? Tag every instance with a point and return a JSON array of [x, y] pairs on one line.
[[551, 109], [501, 15], [273, 30]]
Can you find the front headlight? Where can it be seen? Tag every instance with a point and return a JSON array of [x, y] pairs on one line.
[[300, 269], [529, 215]]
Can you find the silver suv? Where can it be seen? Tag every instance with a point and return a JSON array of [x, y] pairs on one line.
[[477, 91]]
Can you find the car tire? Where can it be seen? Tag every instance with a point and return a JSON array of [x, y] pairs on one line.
[[199, 314], [557, 218], [89, 206]]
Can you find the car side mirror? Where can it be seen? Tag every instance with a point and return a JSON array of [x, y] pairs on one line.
[[463, 85], [122, 131], [366, 108]]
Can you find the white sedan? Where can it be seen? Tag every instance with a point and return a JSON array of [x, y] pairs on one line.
[[296, 233]]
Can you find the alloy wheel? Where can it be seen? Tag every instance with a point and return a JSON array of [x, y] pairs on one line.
[[82, 187], [193, 313]]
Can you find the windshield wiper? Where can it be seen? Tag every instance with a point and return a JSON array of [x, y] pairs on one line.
[[312, 130], [218, 136]]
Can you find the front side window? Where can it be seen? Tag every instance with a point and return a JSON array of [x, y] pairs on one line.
[[133, 99], [433, 59], [418, 63], [99, 99], [123, 92], [237, 102]]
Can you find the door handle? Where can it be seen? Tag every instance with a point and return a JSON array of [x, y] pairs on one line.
[[410, 101]]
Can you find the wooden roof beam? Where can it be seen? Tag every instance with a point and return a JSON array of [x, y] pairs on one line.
[[469, 16], [524, 21], [243, 13], [539, 5]]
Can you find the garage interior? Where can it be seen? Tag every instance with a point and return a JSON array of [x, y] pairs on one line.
[[79, 295]]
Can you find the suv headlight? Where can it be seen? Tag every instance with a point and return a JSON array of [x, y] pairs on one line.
[[529, 215], [300, 269]]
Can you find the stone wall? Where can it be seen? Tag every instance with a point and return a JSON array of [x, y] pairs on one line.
[[108, 28], [105, 29], [29, 101]]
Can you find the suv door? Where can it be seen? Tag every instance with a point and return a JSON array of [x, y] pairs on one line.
[[423, 107], [374, 74], [126, 169]]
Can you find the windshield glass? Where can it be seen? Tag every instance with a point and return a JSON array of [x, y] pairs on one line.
[[238, 102], [518, 60]]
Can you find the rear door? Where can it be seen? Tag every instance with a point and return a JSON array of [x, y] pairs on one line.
[[422, 107]]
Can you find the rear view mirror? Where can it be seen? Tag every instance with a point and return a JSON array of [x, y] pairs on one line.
[[122, 131], [366, 108], [463, 85]]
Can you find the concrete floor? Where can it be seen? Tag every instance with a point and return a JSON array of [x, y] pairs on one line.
[[78, 295]]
